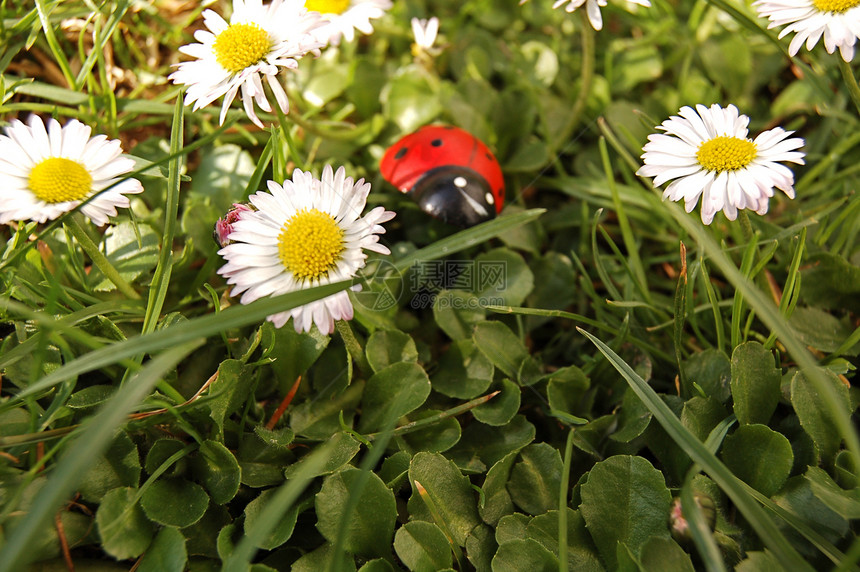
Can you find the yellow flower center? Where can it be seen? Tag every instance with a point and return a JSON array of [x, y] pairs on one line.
[[57, 180], [837, 6], [726, 154], [240, 46], [327, 6], [310, 244]]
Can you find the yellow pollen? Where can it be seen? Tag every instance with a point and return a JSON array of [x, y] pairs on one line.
[[310, 244], [327, 6], [241, 46], [837, 6], [57, 180], [726, 154]]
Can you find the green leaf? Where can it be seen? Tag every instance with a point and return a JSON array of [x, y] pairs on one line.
[[624, 500], [283, 529], [118, 466], [160, 452], [816, 417], [435, 438], [166, 554], [159, 502], [387, 347], [392, 393], [124, 529], [130, 257], [758, 562], [422, 547], [483, 445], [343, 448], [759, 456], [223, 170], [755, 383], [711, 370], [410, 101], [481, 547], [831, 282], [501, 408], [581, 552], [501, 278], [565, 390], [521, 555], [320, 559], [463, 371], [536, 479], [450, 491], [496, 498], [660, 554], [370, 527], [91, 396], [229, 390], [845, 503], [456, 312], [293, 352], [821, 330], [502, 347], [218, 471]]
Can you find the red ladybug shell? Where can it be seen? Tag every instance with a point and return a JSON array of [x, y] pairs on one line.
[[437, 147]]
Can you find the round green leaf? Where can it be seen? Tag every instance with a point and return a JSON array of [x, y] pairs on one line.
[[502, 278], [566, 389], [521, 555], [581, 552], [218, 471], [370, 524], [664, 555], [422, 547], [450, 493], [124, 530], [435, 438], [386, 347], [816, 416], [463, 372], [167, 553], [284, 529], [536, 479], [118, 466], [624, 500], [344, 448], [501, 408], [160, 451], [392, 393], [159, 502], [759, 456], [456, 312]]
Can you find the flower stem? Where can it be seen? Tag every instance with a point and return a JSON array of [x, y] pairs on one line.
[[746, 225], [850, 81], [585, 79], [353, 347], [100, 260]]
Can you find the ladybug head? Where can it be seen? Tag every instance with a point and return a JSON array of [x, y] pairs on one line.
[[456, 195]]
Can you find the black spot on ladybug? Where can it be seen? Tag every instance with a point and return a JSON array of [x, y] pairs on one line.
[[436, 142], [400, 153], [489, 156]]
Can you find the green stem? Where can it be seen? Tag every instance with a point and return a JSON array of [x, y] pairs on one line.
[[850, 81], [100, 260], [585, 78], [746, 225]]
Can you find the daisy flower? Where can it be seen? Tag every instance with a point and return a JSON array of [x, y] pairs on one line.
[[706, 153], [424, 32], [304, 233], [258, 41], [47, 172], [592, 8], [837, 20], [342, 17]]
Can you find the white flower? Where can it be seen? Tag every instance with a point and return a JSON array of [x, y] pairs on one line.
[[425, 32], [592, 8], [45, 173], [343, 17], [258, 41], [306, 233], [837, 20], [708, 154]]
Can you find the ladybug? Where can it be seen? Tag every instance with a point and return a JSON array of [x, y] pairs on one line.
[[449, 172]]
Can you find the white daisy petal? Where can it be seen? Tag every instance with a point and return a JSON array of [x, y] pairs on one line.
[[342, 17], [259, 40], [46, 171], [707, 155], [809, 21], [302, 233], [592, 8]]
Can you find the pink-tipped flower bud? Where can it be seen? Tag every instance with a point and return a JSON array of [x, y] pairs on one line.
[[224, 226]]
